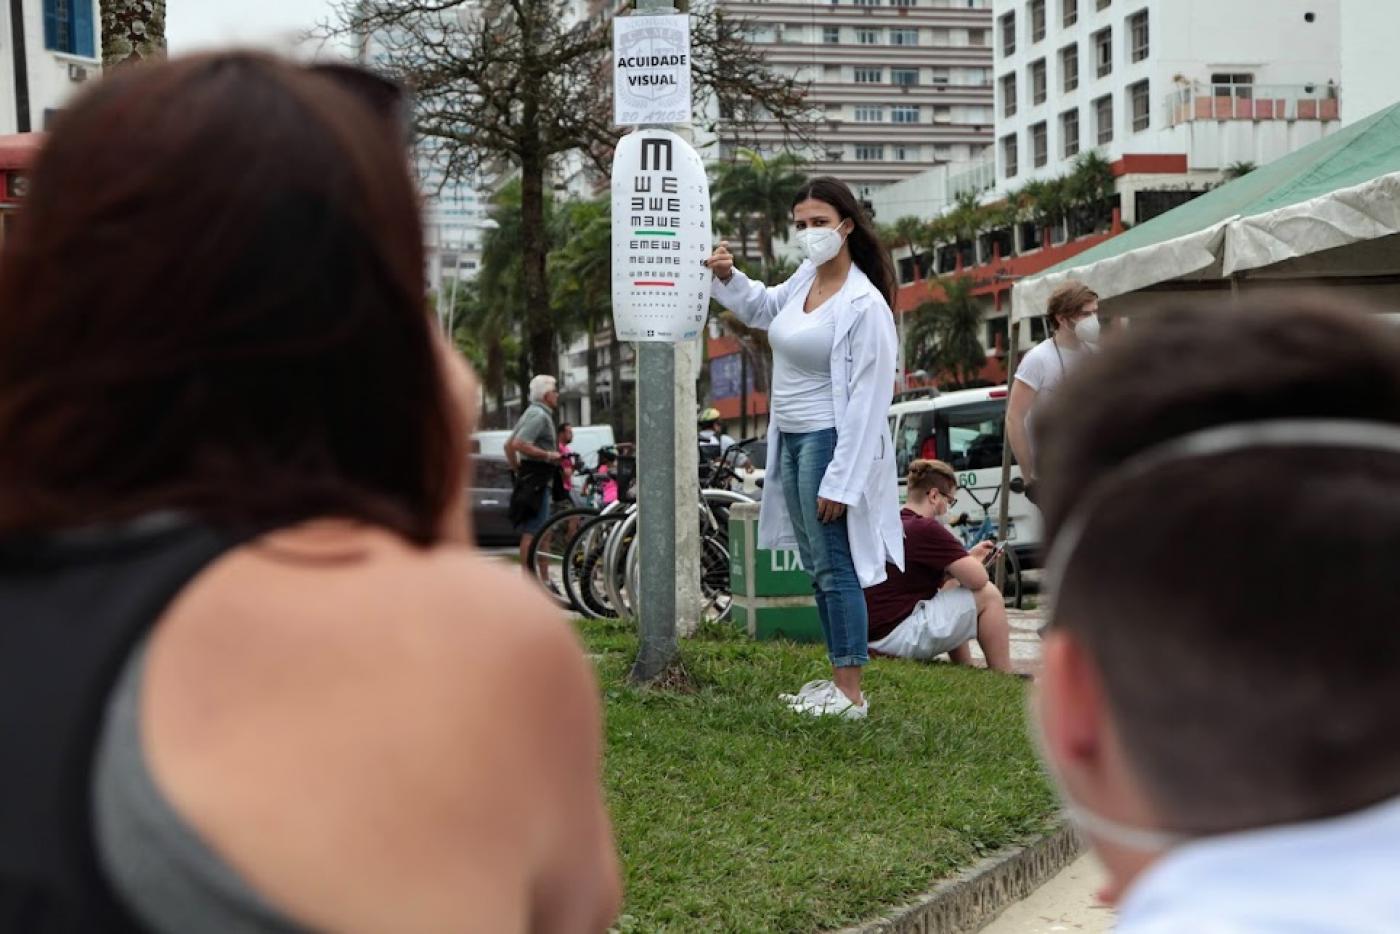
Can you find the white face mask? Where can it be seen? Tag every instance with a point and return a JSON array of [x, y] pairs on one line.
[[820, 244], [1087, 329], [1091, 824]]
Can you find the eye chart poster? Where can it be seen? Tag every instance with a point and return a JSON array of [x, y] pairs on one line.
[[660, 236]]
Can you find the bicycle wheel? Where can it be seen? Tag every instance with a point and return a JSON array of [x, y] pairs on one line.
[[547, 552], [714, 580], [1012, 591], [582, 556], [616, 555]]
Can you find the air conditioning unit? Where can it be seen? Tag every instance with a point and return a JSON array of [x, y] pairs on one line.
[[77, 73]]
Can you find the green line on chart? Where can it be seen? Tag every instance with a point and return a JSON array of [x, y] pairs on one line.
[[653, 233]]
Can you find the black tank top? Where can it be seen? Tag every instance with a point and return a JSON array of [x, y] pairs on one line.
[[73, 606]]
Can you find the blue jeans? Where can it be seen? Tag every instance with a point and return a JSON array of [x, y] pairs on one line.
[[824, 548]]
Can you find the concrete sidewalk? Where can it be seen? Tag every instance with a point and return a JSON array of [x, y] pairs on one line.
[[1067, 902], [1025, 641]]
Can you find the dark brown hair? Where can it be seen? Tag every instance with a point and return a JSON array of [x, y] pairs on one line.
[[214, 303], [924, 475], [1241, 607], [866, 249], [1066, 301]]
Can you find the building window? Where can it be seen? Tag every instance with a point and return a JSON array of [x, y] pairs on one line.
[[869, 75], [1138, 37], [904, 37], [1038, 82], [868, 36], [1008, 155], [1040, 144], [942, 114], [1069, 67], [1008, 95], [1037, 11], [870, 152], [903, 3], [68, 27], [977, 38], [904, 113], [904, 77], [831, 34], [1233, 85], [1103, 118], [1008, 34], [1102, 4], [870, 113], [940, 74], [1069, 12], [1138, 107], [1103, 51], [867, 2], [906, 153], [1069, 132]]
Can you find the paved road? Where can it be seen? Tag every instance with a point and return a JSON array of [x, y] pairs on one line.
[[1065, 903]]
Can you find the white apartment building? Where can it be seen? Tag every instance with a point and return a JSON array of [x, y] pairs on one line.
[[900, 85], [44, 58], [1162, 87]]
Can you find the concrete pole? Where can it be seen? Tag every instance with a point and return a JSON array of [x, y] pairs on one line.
[[1004, 511], [668, 602]]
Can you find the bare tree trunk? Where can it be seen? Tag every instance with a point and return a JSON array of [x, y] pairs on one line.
[[133, 31], [539, 337]]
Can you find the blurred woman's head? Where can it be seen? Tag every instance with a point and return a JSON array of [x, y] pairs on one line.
[[214, 303]]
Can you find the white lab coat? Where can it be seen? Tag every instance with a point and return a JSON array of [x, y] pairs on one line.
[[862, 472]]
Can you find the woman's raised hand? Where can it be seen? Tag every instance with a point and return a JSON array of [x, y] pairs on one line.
[[721, 262]]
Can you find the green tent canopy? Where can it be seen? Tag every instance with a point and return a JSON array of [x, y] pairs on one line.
[[1329, 210]]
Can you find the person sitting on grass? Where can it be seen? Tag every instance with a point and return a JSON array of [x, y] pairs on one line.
[[943, 598]]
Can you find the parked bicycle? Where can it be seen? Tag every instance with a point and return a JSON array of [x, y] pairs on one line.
[[987, 530]]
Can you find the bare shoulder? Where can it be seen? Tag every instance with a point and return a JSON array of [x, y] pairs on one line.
[[417, 691]]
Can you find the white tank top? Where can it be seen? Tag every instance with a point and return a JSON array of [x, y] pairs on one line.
[[802, 343]]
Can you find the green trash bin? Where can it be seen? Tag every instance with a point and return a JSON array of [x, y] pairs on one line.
[[772, 591]]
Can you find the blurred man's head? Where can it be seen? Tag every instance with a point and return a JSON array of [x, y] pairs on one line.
[[1224, 653]]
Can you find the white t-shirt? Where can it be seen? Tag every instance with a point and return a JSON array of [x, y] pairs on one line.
[[1043, 369], [802, 343]]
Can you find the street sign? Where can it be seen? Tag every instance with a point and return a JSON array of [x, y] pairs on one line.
[[660, 237], [651, 70]]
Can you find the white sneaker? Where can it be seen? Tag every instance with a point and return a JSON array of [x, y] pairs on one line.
[[808, 691], [835, 704]]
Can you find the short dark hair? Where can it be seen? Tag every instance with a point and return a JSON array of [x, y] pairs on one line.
[[1241, 608], [213, 303]]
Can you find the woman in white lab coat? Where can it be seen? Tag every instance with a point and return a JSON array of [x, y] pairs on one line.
[[831, 487]]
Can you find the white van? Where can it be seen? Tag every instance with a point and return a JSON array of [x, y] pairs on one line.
[[966, 429]]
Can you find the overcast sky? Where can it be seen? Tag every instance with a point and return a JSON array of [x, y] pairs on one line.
[[191, 25]]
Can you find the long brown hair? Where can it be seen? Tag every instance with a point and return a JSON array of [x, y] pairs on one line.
[[214, 303], [866, 249]]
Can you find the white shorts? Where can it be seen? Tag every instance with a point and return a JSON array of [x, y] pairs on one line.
[[936, 626]]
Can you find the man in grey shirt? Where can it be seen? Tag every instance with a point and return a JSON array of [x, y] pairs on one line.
[[533, 452]]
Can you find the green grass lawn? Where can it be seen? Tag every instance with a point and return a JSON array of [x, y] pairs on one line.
[[734, 814]]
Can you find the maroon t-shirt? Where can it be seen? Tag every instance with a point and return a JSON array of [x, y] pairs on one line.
[[928, 550]]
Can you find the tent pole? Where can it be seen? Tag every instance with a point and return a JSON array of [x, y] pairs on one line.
[[1004, 517], [1235, 280]]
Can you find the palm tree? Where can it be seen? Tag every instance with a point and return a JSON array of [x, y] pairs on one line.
[[133, 31], [966, 221], [581, 277], [1238, 170], [762, 190], [1089, 187], [946, 333], [484, 332]]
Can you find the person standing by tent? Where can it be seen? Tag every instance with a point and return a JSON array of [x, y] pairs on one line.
[[832, 459], [1073, 313]]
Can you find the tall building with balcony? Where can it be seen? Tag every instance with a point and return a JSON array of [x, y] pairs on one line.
[[50, 47], [899, 85], [1173, 92]]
